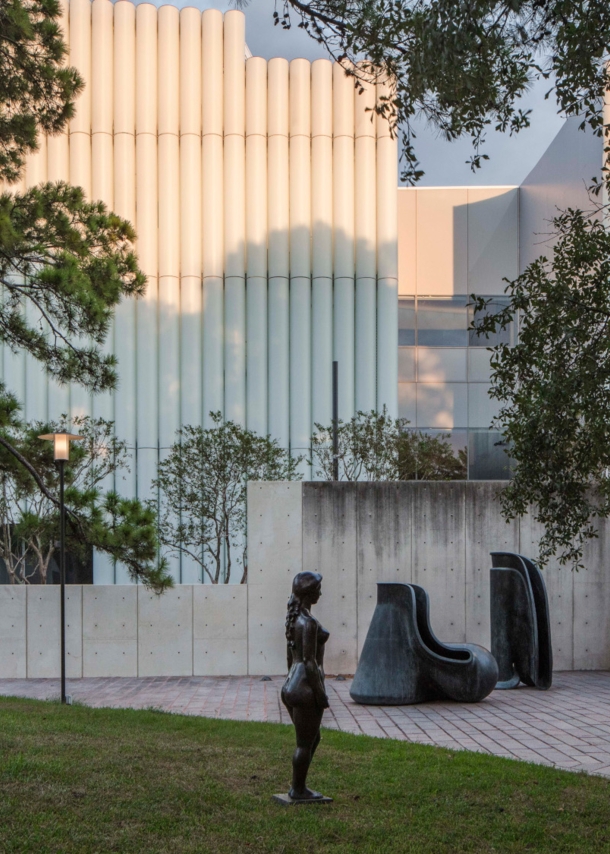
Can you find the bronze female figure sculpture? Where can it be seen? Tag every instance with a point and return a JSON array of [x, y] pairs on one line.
[[303, 693]]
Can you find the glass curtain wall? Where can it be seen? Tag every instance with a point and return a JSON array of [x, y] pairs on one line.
[[444, 378]]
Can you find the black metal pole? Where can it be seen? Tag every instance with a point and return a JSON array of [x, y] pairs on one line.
[[62, 576], [335, 420]]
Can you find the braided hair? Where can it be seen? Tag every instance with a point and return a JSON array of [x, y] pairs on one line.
[[302, 584]]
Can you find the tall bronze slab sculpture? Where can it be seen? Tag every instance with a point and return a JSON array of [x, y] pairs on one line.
[[402, 661], [520, 626]]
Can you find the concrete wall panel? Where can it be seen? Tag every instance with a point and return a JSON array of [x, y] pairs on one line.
[[275, 522], [110, 658], [384, 534], [220, 628], [225, 657], [439, 555], [13, 621], [329, 547], [165, 632], [43, 632], [220, 611], [110, 630], [486, 531], [591, 614], [560, 589]]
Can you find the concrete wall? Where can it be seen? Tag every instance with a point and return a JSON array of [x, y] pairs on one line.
[[438, 535], [124, 630]]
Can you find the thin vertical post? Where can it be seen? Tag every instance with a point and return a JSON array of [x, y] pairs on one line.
[[62, 576], [335, 420]]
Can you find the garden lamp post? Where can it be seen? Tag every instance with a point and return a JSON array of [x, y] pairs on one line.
[[61, 453], [335, 420]]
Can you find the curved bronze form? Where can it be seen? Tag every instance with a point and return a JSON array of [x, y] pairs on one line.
[[402, 661], [520, 625], [303, 693]]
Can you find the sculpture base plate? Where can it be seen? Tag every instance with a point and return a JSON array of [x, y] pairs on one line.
[[287, 801]]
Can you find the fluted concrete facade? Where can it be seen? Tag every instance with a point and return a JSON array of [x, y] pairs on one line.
[[264, 201]]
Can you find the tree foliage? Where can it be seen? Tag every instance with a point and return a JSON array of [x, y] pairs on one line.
[[65, 263], [463, 66], [374, 446], [37, 90], [29, 512], [202, 485], [70, 262], [554, 386]]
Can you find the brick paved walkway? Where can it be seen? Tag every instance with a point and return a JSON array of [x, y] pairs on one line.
[[568, 726]]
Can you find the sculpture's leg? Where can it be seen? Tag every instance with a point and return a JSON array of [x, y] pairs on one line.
[[307, 725], [315, 744]]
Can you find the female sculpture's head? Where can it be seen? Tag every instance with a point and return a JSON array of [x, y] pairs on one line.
[[307, 586], [306, 590]]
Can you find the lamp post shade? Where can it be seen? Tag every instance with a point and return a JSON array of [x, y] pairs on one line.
[[61, 444]]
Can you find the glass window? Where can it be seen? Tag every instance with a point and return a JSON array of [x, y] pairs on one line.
[[407, 401], [442, 321], [406, 322], [501, 336], [433, 455], [487, 457], [406, 364], [444, 456]]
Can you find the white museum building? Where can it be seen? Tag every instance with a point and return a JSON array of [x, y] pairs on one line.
[[275, 240]]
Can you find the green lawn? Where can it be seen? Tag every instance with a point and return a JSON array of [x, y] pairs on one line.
[[83, 780]]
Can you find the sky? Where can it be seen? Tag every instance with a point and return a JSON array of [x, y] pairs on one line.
[[444, 163]]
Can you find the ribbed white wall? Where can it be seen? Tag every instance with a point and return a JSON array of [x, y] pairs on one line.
[[278, 259], [264, 199], [343, 237], [300, 257], [256, 244], [387, 263], [321, 240]]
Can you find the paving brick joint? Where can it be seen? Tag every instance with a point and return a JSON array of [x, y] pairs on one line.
[[567, 727]]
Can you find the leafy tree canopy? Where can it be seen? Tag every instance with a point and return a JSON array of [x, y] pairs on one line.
[[554, 386], [65, 263], [463, 66], [37, 90], [374, 446], [202, 486]]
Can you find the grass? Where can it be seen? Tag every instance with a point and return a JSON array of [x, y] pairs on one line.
[[74, 779]]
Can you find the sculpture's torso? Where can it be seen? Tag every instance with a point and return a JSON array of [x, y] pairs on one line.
[[297, 691]]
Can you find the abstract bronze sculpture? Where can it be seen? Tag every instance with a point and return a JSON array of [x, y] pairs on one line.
[[520, 626], [303, 693], [402, 661]]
